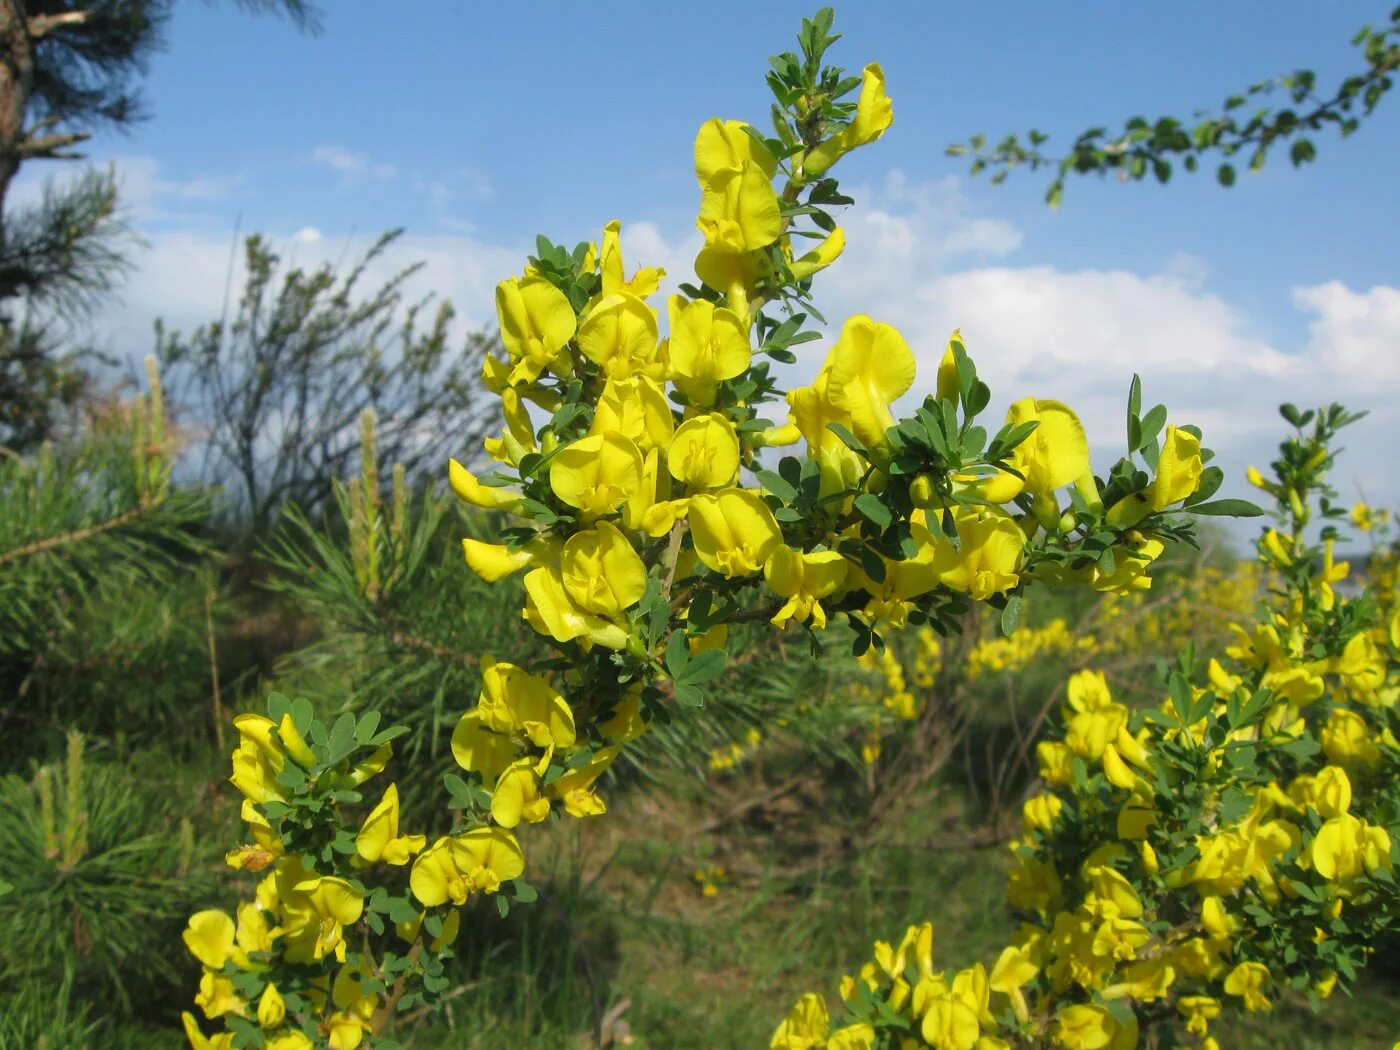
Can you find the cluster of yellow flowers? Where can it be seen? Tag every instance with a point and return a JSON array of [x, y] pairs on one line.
[[1015, 653], [645, 518], [732, 756], [1233, 843], [894, 697], [297, 913], [710, 878]]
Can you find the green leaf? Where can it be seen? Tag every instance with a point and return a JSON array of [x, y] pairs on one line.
[[777, 485], [1228, 508], [402, 910], [1011, 615], [677, 654], [689, 696], [523, 892], [364, 729], [873, 509], [1134, 412], [847, 438], [704, 667]]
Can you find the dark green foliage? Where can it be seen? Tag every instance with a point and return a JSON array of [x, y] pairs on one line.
[[1144, 147], [70, 248], [105, 872], [105, 586]]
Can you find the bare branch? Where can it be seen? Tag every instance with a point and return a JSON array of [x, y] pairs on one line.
[[41, 26]]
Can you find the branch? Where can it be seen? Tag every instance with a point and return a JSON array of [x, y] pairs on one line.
[[47, 147], [76, 536], [41, 26]]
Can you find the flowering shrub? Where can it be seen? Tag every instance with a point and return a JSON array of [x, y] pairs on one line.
[[647, 518], [1233, 843]]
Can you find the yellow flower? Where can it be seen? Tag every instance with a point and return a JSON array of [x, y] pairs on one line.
[[805, 1028], [517, 795], [705, 453], [626, 722], [1179, 468], [950, 1023], [820, 257], [317, 910], [870, 367], [1328, 792], [200, 1041], [620, 336], [1012, 971], [217, 997], [812, 411], [379, 837], [1199, 1011], [455, 867], [1090, 1027], [734, 531], [874, 114], [495, 561], [513, 700], [291, 1039], [803, 578], [708, 345], [642, 284], [479, 748], [271, 1008], [1130, 569], [470, 490], [724, 144], [739, 209], [551, 609], [1346, 846], [1346, 740], [536, 323], [1364, 517], [852, 1037], [575, 789], [601, 571], [637, 409], [209, 937], [597, 474], [1040, 813], [1057, 451], [987, 559], [258, 760], [1248, 981]]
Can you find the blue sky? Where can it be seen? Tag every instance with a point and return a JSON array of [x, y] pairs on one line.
[[476, 126]]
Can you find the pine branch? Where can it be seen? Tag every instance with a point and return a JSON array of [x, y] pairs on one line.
[[76, 536]]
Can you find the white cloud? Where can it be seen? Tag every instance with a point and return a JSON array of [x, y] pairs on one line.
[[1356, 333], [352, 164]]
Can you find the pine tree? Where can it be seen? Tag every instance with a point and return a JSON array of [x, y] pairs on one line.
[[67, 68]]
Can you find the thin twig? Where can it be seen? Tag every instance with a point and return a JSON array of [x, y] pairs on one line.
[[214, 668], [76, 536]]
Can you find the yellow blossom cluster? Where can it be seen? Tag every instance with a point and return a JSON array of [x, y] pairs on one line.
[[1234, 842]]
